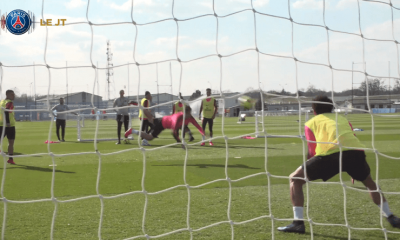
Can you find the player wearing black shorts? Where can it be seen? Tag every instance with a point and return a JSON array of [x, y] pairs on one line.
[[61, 118], [324, 160], [157, 127], [178, 107], [122, 114], [9, 128], [145, 114]]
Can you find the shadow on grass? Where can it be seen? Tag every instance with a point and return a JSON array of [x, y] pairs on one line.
[[19, 166], [215, 146], [324, 236], [362, 188], [203, 165], [16, 153], [242, 146]]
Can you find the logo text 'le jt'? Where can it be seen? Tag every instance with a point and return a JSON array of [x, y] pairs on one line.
[[48, 22]]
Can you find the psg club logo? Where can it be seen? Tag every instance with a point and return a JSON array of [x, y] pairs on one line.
[[18, 22]]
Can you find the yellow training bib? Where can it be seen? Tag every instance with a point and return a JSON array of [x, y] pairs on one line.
[[208, 107], [140, 111]]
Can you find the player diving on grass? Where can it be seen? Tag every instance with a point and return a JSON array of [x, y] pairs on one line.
[[324, 158], [173, 122], [178, 107], [209, 108]]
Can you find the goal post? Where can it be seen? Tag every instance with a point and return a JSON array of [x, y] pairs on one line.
[[73, 121], [279, 123], [86, 127]]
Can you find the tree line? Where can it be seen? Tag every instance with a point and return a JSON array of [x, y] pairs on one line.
[[376, 86]]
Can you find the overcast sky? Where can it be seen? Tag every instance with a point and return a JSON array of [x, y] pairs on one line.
[[157, 41]]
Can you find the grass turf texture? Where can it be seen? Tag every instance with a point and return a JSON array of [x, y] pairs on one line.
[[76, 176]]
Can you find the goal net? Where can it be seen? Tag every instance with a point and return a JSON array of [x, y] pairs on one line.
[[282, 46]]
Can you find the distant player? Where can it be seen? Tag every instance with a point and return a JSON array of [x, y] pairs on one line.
[[178, 107], [61, 119], [146, 114], [10, 122], [323, 161], [173, 122], [122, 114], [209, 108]]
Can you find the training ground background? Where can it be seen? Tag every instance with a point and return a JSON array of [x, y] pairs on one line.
[[75, 177]]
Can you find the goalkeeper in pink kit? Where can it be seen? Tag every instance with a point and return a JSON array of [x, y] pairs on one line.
[[173, 122], [322, 131]]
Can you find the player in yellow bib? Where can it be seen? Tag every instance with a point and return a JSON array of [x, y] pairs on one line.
[[9, 122], [146, 114], [209, 109], [178, 107], [323, 132]]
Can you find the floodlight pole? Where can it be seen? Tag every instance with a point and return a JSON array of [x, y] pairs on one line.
[[30, 88], [352, 84], [158, 94], [66, 74], [390, 97], [110, 72], [128, 82], [170, 77], [34, 83], [98, 87]]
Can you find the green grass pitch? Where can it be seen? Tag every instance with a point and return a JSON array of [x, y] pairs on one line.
[[76, 175]]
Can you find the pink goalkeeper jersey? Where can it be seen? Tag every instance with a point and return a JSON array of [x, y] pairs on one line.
[[174, 122]]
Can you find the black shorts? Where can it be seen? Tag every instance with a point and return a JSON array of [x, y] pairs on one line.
[[326, 167], [60, 123], [158, 127], [9, 133], [125, 118], [210, 122]]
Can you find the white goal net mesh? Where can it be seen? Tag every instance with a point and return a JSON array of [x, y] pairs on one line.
[[92, 127]]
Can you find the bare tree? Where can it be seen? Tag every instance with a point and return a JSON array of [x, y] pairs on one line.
[[312, 89], [195, 95], [249, 89], [226, 91], [375, 86], [396, 87]]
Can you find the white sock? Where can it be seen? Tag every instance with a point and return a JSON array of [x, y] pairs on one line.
[[298, 213], [203, 137], [385, 209], [135, 131]]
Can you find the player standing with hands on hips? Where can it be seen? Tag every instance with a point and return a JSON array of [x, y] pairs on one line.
[[209, 109]]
